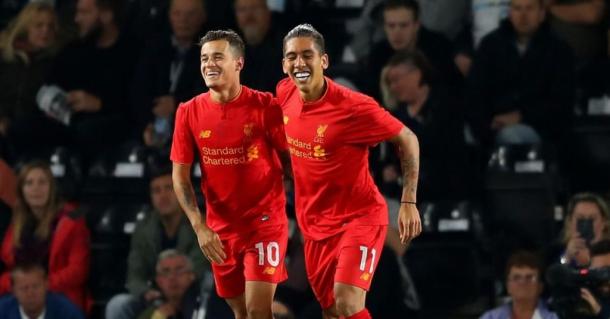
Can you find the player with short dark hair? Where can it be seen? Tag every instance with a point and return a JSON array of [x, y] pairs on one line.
[[239, 135], [340, 211]]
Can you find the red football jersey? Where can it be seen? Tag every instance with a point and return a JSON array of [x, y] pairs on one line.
[[241, 177], [328, 141]]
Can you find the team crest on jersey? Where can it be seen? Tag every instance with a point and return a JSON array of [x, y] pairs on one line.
[[321, 130], [248, 129], [365, 276], [269, 271], [205, 134]]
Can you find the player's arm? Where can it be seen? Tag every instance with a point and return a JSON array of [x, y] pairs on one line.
[[274, 124], [284, 156], [409, 223], [209, 241]]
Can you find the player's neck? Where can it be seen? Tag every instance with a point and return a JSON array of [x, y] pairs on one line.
[[226, 95], [316, 93]]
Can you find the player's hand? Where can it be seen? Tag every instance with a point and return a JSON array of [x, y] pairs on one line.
[[164, 106], [210, 244], [588, 296], [409, 223], [82, 101]]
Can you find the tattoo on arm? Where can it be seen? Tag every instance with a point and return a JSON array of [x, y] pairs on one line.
[[187, 196], [410, 172]]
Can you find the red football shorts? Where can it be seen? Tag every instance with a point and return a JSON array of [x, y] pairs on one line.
[[257, 255], [349, 257]]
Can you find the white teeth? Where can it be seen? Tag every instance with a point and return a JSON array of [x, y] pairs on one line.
[[213, 73], [301, 75]]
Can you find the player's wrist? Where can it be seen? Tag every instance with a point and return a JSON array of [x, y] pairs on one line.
[[408, 202]]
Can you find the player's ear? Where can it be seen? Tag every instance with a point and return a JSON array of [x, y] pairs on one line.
[[325, 61], [284, 67], [239, 65]]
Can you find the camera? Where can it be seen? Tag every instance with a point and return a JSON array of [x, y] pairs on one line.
[[566, 282], [584, 226]]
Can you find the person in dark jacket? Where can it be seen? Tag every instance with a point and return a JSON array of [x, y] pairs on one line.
[[433, 113], [521, 85], [404, 32], [168, 73], [31, 299]]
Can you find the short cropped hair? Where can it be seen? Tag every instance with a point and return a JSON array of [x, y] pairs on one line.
[[410, 5], [171, 253], [235, 41], [416, 59], [525, 259], [306, 31], [27, 268]]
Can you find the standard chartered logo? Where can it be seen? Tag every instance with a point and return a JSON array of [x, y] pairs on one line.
[[252, 153], [318, 151], [228, 156]]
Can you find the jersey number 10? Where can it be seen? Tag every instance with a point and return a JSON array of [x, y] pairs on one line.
[[273, 253]]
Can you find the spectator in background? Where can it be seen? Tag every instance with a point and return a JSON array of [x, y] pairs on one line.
[[583, 206], [27, 48], [522, 76], [31, 299], [165, 228], [485, 17], [168, 73], [448, 17], [524, 283], [44, 230], [263, 38], [405, 33], [177, 286], [95, 72], [599, 299], [434, 115]]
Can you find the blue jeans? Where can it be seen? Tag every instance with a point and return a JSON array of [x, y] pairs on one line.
[[123, 306]]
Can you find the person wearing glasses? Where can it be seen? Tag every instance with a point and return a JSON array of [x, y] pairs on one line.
[[524, 283]]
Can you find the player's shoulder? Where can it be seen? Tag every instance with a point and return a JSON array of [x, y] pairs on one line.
[[284, 89], [349, 98], [189, 106], [258, 98]]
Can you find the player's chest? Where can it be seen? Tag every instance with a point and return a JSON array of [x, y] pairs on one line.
[[313, 134], [221, 129]]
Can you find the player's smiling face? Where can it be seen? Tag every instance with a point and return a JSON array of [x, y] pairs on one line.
[[304, 64], [219, 64]]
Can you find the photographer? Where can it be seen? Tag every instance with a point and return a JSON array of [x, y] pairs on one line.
[[599, 300], [586, 223], [524, 283]]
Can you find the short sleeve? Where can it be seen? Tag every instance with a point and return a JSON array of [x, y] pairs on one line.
[[182, 143], [274, 126], [371, 124], [283, 90]]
